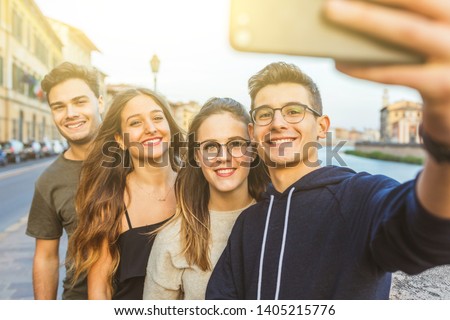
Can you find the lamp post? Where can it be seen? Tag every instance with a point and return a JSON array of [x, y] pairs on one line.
[[154, 64]]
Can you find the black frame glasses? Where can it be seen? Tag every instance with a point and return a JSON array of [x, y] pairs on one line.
[[210, 149], [292, 113]]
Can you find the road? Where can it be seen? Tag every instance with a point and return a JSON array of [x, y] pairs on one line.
[[16, 189]]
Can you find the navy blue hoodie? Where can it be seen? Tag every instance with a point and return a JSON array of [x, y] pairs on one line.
[[334, 234]]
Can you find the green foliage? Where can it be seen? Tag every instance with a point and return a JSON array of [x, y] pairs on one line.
[[384, 156]]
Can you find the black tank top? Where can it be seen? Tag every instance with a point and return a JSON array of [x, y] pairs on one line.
[[134, 246]]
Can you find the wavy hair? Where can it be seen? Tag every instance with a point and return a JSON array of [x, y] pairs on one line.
[[100, 194]]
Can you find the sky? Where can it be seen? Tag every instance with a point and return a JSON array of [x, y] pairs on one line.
[[190, 37]]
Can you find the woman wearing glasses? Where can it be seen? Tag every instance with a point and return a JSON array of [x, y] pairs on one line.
[[222, 177]]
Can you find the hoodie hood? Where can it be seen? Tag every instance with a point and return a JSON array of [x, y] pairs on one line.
[[321, 177]]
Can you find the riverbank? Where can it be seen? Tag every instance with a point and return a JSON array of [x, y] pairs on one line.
[[378, 155]]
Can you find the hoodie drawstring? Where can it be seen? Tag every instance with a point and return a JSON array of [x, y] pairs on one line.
[[283, 244], [263, 249]]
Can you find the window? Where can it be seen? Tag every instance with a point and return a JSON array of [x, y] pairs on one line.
[[1, 71], [17, 26], [40, 50], [18, 75]]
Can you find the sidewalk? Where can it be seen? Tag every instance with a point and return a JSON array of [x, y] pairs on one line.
[[16, 260], [17, 249]]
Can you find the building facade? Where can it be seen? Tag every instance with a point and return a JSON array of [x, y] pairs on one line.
[[184, 112], [399, 122], [29, 48]]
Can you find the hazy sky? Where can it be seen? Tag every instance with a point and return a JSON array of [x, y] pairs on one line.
[[191, 39]]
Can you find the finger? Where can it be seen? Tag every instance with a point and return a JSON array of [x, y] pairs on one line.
[[432, 80], [403, 28], [435, 9]]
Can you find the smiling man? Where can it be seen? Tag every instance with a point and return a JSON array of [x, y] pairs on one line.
[[73, 94], [325, 232]]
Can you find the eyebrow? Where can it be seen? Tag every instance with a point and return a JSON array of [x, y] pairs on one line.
[[57, 103], [290, 103], [139, 114], [228, 139]]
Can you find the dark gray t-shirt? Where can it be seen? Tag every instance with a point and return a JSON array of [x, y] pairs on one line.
[[53, 210]]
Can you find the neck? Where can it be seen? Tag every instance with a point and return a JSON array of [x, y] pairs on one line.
[[229, 201], [154, 176], [77, 152], [283, 177]]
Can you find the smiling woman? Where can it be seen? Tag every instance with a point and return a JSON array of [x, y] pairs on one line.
[[110, 243]]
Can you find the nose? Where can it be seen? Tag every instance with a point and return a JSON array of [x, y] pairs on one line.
[[278, 120], [150, 127], [71, 111], [223, 154]]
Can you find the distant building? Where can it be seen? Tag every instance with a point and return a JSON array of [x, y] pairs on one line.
[[399, 121], [77, 47], [350, 136], [184, 112], [29, 49], [371, 135], [112, 90]]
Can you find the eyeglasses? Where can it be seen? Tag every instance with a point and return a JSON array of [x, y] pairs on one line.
[[292, 113], [210, 149]]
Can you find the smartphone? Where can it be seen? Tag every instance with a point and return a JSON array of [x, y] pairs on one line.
[[297, 27]]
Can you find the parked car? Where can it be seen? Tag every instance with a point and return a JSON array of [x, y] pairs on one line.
[[46, 148], [33, 150], [58, 147], [3, 158], [14, 150]]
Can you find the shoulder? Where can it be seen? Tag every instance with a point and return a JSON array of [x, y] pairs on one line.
[[60, 170], [170, 233], [252, 213]]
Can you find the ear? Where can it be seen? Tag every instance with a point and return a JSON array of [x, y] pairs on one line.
[[101, 104], [323, 124], [251, 130], [119, 140], [196, 159]]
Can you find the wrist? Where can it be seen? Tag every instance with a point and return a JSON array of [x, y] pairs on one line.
[[439, 151]]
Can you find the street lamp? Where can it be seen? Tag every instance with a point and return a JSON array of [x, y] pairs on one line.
[[154, 64]]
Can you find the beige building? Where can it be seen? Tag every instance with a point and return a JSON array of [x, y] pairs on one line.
[[184, 112], [29, 49], [399, 121]]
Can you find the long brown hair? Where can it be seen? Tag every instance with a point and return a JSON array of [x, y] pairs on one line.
[[192, 189], [100, 195]]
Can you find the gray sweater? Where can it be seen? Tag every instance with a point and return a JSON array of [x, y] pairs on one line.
[[169, 276]]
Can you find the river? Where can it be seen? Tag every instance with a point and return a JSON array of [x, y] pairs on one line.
[[399, 171]]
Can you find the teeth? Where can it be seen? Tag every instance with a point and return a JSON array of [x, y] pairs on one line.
[[281, 141], [76, 125], [152, 141], [225, 171]]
